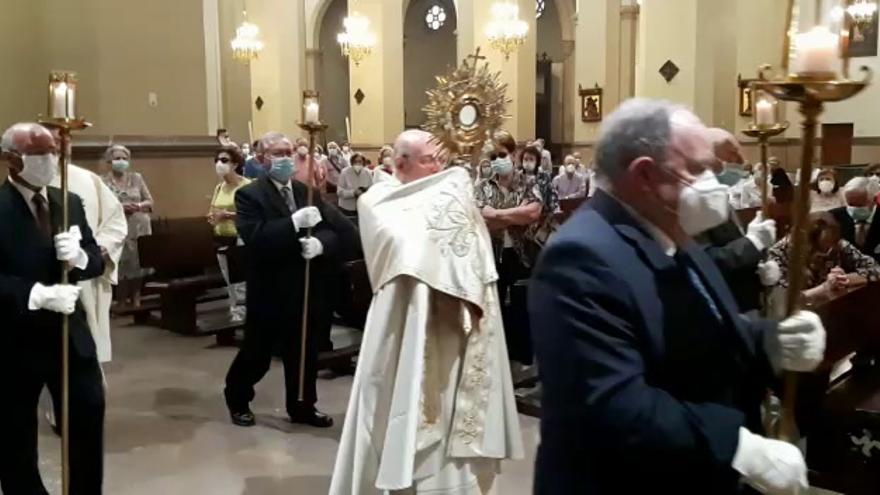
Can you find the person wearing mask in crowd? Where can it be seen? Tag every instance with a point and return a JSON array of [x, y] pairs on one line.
[[280, 232], [384, 169], [302, 166], [737, 253], [834, 265], [336, 163], [569, 184], [534, 177], [750, 190], [347, 152], [228, 165], [545, 160], [253, 169], [628, 316], [246, 152], [509, 209], [353, 182], [859, 224], [730, 156], [34, 250], [825, 193], [137, 203], [484, 170]]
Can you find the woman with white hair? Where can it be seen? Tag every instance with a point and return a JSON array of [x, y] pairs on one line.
[[137, 203]]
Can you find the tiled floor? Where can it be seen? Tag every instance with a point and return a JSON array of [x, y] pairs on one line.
[[168, 432]]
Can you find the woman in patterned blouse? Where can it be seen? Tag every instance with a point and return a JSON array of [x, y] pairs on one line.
[[534, 177], [833, 264]]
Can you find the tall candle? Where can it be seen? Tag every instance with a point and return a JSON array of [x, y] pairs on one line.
[[817, 51], [764, 114], [63, 104], [312, 113]]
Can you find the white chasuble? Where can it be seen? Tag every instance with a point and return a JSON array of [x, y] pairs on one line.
[[432, 408]]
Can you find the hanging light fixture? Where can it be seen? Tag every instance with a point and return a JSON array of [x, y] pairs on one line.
[[506, 31], [356, 41], [247, 45]]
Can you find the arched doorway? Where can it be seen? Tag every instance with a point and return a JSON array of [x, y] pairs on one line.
[[332, 71], [429, 43]]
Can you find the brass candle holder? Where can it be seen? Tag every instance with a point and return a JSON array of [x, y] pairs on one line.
[[312, 124], [765, 124], [61, 115], [811, 93]]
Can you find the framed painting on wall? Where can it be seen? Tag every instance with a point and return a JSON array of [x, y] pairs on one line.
[[591, 103], [864, 38], [746, 105]]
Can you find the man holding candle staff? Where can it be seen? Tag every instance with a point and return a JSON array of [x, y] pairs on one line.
[[31, 306]]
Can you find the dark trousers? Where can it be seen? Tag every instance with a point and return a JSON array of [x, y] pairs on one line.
[[24, 379], [254, 358], [514, 312]]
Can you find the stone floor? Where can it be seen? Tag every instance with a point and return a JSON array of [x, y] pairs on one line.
[[167, 430]]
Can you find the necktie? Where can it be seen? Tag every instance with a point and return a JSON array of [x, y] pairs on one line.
[[861, 233], [287, 194], [695, 281], [41, 211]]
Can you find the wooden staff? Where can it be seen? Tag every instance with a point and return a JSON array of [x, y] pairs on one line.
[[312, 129], [64, 133]]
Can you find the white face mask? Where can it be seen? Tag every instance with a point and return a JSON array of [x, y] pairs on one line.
[[570, 168], [703, 205], [346, 149], [826, 186], [387, 162], [39, 170], [302, 151], [222, 168], [358, 168]]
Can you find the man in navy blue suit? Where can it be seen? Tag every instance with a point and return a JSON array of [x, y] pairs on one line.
[[652, 380]]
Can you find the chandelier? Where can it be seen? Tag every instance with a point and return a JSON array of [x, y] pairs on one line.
[[246, 46], [506, 31], [356, 41], [860, 11]]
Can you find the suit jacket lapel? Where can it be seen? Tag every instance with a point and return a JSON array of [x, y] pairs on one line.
[[56, 209], [631, 229], [274, 195], [300, 194]]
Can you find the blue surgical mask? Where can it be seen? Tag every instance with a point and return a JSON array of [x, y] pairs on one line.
[[120, 165], [282, 169], [859, 213], [502, 166]]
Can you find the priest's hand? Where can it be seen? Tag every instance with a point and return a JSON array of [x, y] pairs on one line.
[[770, 466], [306, 218], [56, 298], [67, 248], [798, 344], [311, 247]]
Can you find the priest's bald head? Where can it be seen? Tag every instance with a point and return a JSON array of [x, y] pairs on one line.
[[415, 156]]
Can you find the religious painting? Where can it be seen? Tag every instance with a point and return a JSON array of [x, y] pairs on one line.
[[864, 38], [591, 103], [746, 103]]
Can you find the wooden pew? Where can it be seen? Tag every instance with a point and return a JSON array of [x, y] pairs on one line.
[[181, 252]]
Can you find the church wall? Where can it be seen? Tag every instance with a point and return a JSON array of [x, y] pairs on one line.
[[235, 76], [426, 54], [333, 72], [23, 81], [549, 32]]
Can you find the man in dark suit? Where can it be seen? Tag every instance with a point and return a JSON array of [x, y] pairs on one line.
[[651, 379], [859, 223], [273, 221], [739, 255], [31, 306]]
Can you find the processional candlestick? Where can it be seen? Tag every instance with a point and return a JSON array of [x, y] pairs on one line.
[[61, 115]]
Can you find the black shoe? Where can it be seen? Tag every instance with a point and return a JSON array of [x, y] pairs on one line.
[[243, 418], [312, 418]]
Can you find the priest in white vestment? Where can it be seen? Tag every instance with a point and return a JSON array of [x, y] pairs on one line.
[[107, 221], [432, 408]]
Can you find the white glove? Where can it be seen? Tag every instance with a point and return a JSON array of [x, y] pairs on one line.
[[306, 218], [56, 298], [762, 232], [769, 272], [67, 248], [311, 247], [798, 344], [770, 466]]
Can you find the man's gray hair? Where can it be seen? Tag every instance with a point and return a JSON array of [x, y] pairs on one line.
[[108, 154], [269, 139], [639, 127], [7, 142], [856, 184]]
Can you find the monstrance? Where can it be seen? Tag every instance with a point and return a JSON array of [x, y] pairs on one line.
[[466, 107]]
